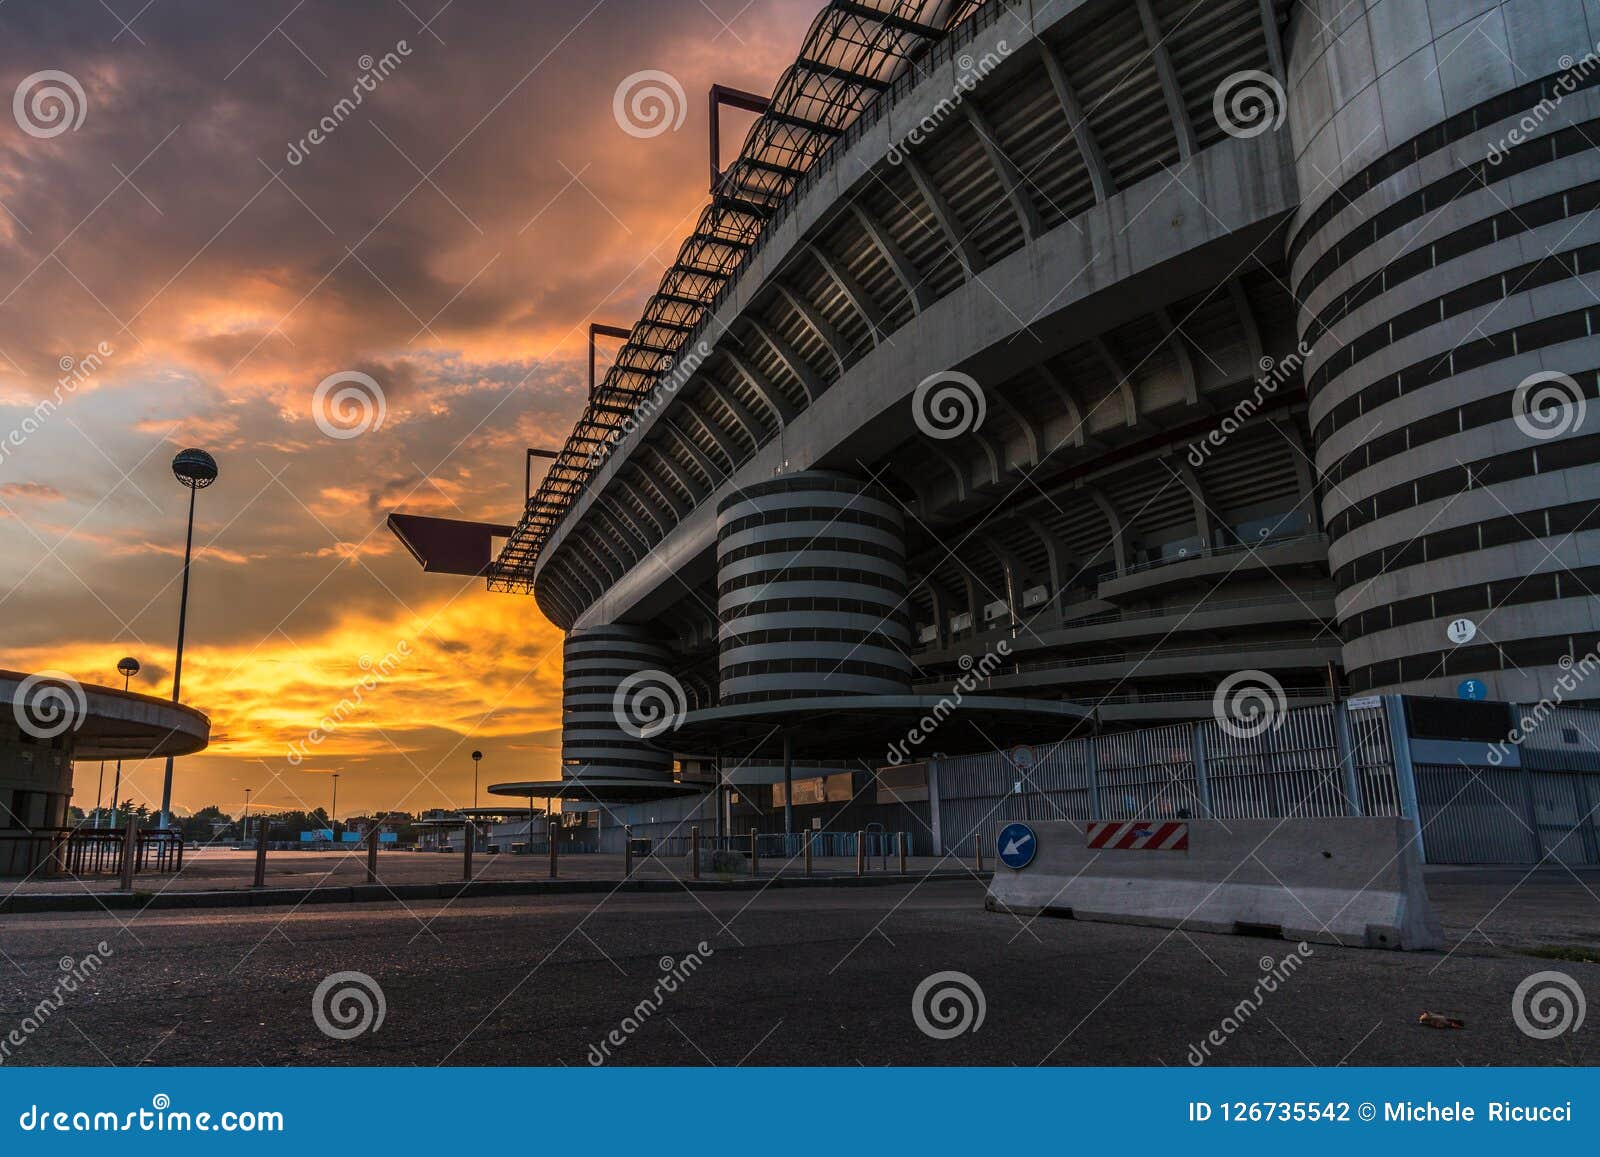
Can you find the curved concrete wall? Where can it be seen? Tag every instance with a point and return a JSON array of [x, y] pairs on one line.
[[1445, 252], [811, 590], [596, 662]]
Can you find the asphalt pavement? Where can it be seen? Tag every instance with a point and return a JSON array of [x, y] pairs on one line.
[[782, 976]]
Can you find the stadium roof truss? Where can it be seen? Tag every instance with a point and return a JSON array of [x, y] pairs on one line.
[[855, 50]]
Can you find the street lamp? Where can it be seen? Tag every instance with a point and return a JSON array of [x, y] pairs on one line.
[[244, 824], [470, 829], [195, 469], [333, 816], [127, 668]]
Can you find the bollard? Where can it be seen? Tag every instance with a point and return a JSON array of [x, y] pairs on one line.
[[553, 829], [130, 845], [861, 853], [900, 839], [977, 848], [694, 852], [466, 850], [808, 837], [261, 853], [372, 855], [755, 855]]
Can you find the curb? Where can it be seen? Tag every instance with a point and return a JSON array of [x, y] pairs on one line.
[[378, 893]]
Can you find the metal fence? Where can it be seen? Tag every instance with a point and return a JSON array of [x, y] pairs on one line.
[[1516, 785], [1533, 798], [85, 851], [1181, 771]]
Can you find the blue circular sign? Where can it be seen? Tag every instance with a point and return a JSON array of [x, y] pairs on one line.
[[1017, 845], [1472, 689]]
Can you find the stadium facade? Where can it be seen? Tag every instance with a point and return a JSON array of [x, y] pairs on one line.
[[1117, 349]]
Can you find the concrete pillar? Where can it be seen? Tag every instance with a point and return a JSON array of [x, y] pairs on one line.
[[261, 852], [130, 852]]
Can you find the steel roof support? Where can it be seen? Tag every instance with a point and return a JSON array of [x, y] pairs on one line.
[[962, 245], [1105, 186], [905, 270], [797, 365], [1170, 89], [1011, 178], [773, 398]]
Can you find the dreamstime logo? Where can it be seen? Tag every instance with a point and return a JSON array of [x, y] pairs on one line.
[[649, 103], [49, 103], [683, 367], [377, 672], [348, 404], [947, 1004], [74, 373], [1249, 103], [948, 404], [373, 73], [73, 974], [1574, 673], [1574, 74], [1249, 703], [674, 973], [974, 673], [1275, 372], [48, 704], [1547, 1004], [1274, 974], [972, 71], [347, 1004], [648, 703], [1547, 405]]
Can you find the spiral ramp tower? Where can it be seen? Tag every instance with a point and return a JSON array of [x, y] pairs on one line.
[[1446, 256]]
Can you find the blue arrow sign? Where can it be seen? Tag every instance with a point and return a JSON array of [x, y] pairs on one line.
[[1472, 689], [1017, 846]]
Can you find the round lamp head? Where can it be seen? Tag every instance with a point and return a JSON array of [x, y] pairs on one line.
[[128, 666], [194, 468], [477, 755]]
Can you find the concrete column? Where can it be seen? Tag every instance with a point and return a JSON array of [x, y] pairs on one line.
[[1404, 773], [1344, 751], [130, 852], [261, 852], [1202, 770]]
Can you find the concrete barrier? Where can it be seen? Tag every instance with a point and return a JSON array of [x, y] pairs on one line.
[[1351, 881]]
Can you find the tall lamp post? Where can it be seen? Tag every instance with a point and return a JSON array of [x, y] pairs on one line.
[[127, 668], [333, 815], [195, 469], [472, 833], [244, 824]]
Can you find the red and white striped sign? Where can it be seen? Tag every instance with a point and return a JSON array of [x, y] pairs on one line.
[[1139, 835]]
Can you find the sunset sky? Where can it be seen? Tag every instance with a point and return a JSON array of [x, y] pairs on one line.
[[452, 237]]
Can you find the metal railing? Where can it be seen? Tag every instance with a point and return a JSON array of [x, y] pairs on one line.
[[1101, 617], [1218, 552], [779, 846], [87, 851]]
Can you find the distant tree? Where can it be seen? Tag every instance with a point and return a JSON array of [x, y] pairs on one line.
[[203, 826]]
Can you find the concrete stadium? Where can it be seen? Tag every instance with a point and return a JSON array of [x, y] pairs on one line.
[[1114, 351]]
